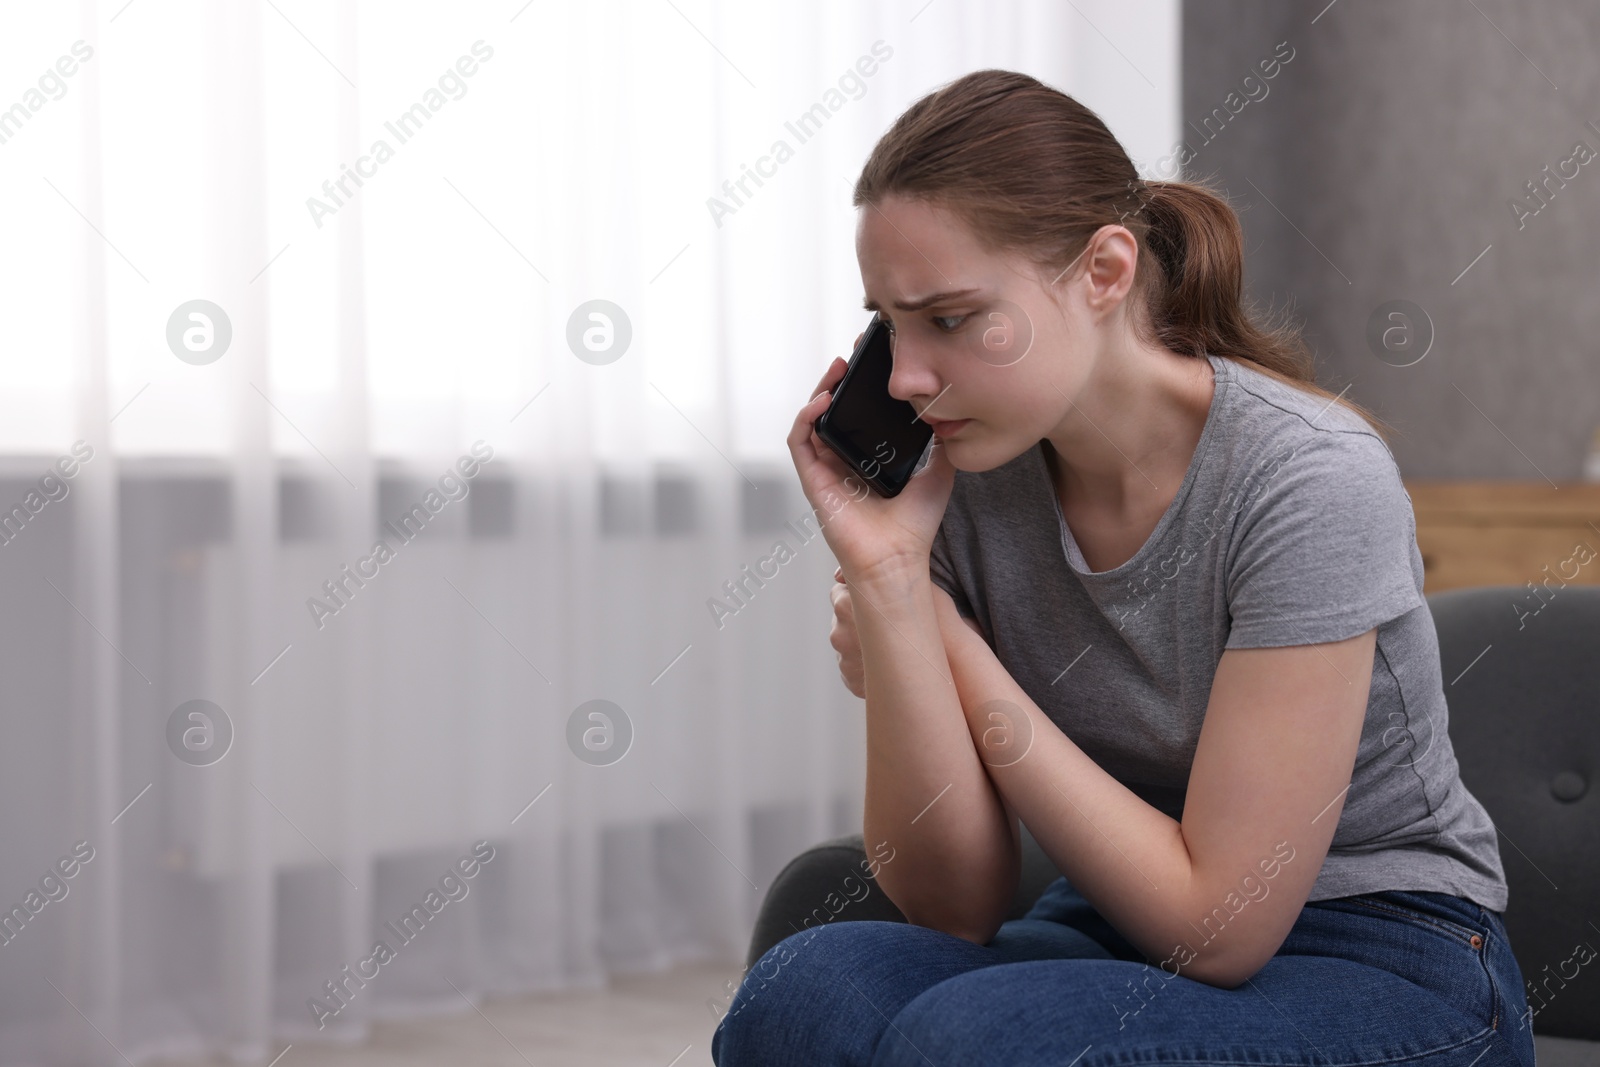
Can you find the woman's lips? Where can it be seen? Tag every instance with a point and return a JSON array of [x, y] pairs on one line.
[[945, 429]]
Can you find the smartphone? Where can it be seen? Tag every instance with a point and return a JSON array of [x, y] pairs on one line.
[[880, 438]]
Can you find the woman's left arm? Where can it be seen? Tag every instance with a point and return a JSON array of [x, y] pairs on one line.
[[1214, 896]]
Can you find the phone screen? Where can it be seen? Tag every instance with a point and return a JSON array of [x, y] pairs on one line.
[[879, 437]]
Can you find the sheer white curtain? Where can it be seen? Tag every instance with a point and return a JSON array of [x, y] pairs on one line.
[[401, 220]]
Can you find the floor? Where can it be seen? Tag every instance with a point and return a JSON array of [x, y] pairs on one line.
[[655, 1020]]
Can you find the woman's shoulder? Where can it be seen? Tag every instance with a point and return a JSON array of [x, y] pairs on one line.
[[1266, 407], [1270, 424]]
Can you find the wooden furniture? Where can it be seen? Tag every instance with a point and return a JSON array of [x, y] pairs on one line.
[[1507, 533]]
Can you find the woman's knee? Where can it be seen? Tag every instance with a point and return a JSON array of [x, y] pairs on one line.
[[1025, 1013], [823, 995], [774, 1013]]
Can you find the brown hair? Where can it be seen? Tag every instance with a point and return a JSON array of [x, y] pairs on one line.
[[1030, 169]]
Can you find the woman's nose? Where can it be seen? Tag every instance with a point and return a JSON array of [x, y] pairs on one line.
[[910, 376]]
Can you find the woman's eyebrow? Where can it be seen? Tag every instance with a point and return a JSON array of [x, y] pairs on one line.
[[917, 305]]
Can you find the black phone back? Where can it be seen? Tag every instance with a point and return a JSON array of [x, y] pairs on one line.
[[878, 437]]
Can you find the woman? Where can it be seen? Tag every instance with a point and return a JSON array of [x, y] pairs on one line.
[[1169, 616]]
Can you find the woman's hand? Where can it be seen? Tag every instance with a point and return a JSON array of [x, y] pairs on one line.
[[869, 534], [847, 643], [844, 639]]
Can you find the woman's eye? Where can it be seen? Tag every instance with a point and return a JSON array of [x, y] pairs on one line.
[[954, 320]]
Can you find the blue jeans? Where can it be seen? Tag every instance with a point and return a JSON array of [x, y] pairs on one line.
[[1384, 978]]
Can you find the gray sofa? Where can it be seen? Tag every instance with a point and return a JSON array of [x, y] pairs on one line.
[[1524, 697]]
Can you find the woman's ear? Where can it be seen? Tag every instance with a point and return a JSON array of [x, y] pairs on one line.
[[1112, 255]]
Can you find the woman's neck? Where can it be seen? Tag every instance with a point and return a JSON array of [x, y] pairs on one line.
[[1130, 435]]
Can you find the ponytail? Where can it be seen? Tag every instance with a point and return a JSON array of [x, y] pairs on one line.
[[1198, 306]]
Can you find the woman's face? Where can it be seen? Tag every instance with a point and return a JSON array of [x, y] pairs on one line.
[[1005, 357]]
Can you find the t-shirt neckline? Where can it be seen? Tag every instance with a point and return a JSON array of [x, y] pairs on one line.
[[1222, 374]]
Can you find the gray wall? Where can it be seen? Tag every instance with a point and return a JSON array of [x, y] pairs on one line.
[[1395, 140]]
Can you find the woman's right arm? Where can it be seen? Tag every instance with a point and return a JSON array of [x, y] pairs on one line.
[[957, 855], [928, 796]]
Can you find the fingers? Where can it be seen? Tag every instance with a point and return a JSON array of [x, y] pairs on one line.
[[817, 405], [808, 414], [800, 435], [834, 372], [849, 655], [804, 445], [844, 639]]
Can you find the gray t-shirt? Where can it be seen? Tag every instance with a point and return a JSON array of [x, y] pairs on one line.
[[1291, 527]]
